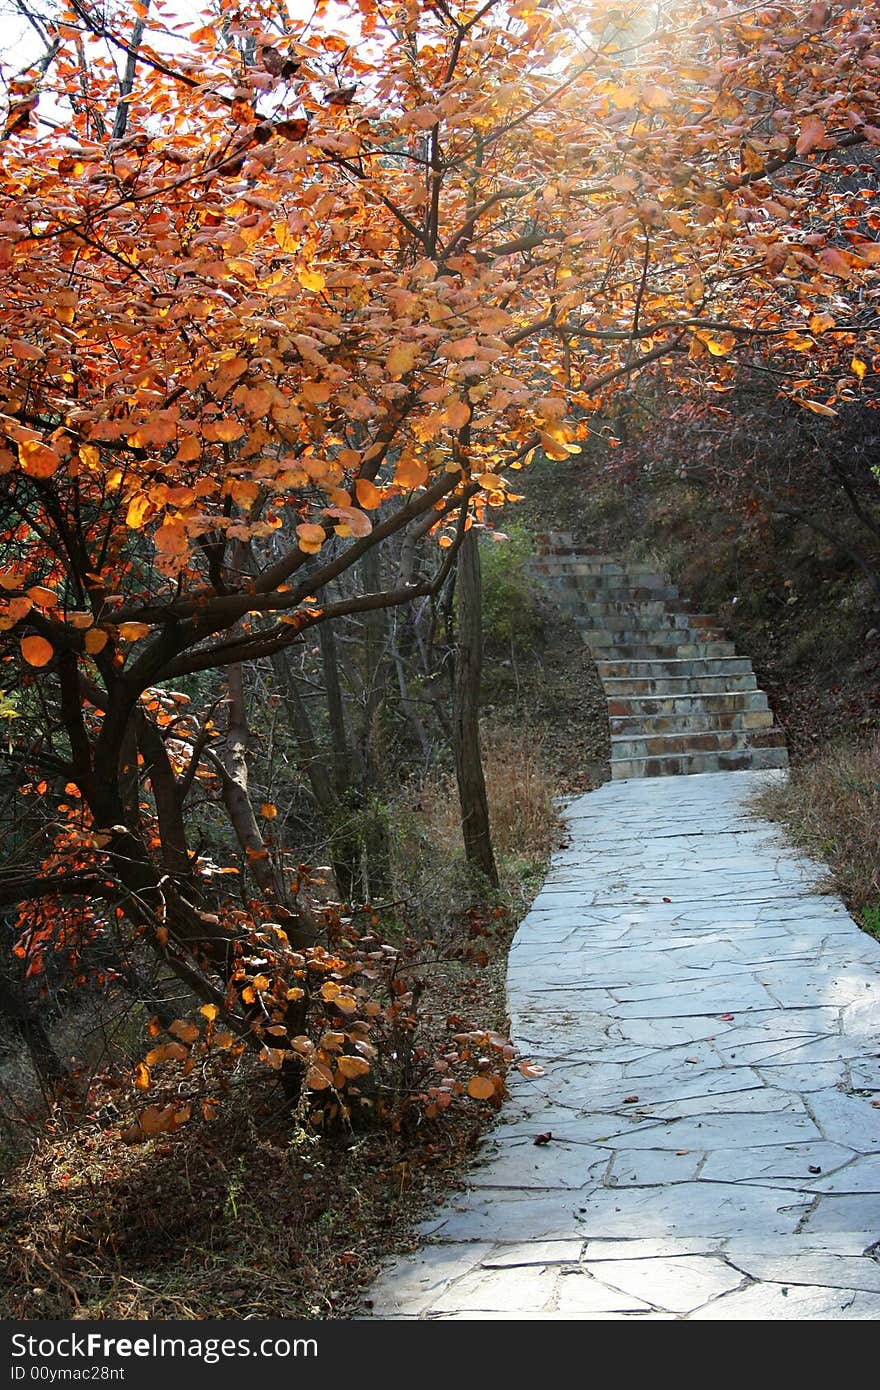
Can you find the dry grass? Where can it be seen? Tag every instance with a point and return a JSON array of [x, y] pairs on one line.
[[432, 875], [831, 808]]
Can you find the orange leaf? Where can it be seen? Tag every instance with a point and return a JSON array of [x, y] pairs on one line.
[[133, 632], [401, 359], [812, 133], [311, 537], [36, 650], [411, 472], [37, 459], [95, 640], [481, 1087], [18, 608], [367, 493], [171, 538], [142, 1077], [353, 1066], [268, 810], [187, 1032]]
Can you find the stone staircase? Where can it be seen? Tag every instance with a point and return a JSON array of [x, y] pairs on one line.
[[679, 698]]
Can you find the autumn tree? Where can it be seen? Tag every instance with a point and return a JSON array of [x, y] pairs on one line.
[[277, 294]]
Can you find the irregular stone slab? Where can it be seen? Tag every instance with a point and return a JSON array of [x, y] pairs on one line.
[[510, 1220], [702, 1056], [857, 1217], [849, 1120], [865, 1074], [719, 1132], [496, 1290], [535, 1252], [694, 1208], [553, 1165], [652, 1167], [818, 1077], [829, 1271], [677, 1285], [416, 1280], [579, 1292], [794, 1161], [775, 1302]]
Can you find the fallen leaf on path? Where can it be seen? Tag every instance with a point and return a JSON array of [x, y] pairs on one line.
[[543, 1138]]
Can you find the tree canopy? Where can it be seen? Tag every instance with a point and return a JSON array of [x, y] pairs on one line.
[[277, 290]]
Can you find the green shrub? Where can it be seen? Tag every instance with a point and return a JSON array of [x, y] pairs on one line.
[[511, 611]]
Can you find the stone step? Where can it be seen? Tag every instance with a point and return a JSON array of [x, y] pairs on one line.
[[709, 741], [628, 593], [696, 722], [677, 685], [674, 666], [679, 698], [647, 651], [624, 596], [682, 764], [648, 616], [602, 570], [653, 706]]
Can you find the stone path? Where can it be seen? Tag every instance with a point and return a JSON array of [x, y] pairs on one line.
[[710, 1029]]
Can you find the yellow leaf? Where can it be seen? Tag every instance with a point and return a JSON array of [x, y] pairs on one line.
[[720, 347], [36, 651], [284, 236], [138, 509], [311, 280], [859, 367]]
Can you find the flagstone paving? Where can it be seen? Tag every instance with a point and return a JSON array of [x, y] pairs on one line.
[[709, 1025]]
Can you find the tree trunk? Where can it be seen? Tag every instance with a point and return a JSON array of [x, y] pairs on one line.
[[315, 767], [235, 791], [335, 708], [466, 728]]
